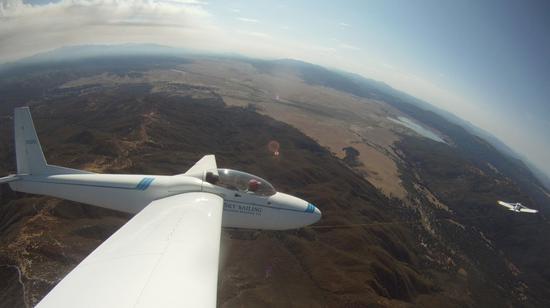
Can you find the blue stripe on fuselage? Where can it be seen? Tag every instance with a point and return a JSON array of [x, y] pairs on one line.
[[310, 208], [142, 185], [147, 182]]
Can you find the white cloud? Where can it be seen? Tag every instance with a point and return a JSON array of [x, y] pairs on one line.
[[27, 29], [251, 20], [344, 25], [255, 34], [348, 46], [187, 2], [387, 65]]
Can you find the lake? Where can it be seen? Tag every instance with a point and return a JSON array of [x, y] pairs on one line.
[[417, 128]]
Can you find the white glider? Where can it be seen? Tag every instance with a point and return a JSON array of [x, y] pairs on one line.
[[516, 207], [167, 254]]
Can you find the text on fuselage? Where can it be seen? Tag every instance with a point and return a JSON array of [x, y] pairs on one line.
[[242, 208]]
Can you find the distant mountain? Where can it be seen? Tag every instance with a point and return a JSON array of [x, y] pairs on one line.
[[80, 52], [421, 110]]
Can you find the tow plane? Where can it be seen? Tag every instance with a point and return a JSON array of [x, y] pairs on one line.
[[517, 207], [167, 255]]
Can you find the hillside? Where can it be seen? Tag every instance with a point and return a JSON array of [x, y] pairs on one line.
[[507, 248]]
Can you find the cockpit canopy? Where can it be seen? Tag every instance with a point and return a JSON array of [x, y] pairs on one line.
[[239, 181]]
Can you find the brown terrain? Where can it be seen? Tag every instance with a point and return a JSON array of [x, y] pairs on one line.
[[332, 118], [407, 221]]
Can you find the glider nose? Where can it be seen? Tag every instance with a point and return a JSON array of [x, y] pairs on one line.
[[296, 212], [318, 213], [315, 213]]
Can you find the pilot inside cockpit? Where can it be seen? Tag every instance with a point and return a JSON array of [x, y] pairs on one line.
[[239, 181], [253, 185]]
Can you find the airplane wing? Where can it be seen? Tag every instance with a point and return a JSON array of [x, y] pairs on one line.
[[165, 256], [9, 178], [527, 210], [506, 204]]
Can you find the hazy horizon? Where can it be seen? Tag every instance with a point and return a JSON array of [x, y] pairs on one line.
[[484, 62]]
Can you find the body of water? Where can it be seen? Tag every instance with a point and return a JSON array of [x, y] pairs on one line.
[[417, 128]]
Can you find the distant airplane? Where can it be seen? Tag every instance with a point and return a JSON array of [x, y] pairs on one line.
[[517, 207], [168, 254]]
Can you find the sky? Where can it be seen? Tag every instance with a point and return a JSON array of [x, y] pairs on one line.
[[487, 61]]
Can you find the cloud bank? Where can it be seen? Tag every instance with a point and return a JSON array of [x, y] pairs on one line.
[[28, 29]]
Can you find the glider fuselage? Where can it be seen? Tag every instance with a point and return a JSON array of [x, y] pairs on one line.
[[131, 193]]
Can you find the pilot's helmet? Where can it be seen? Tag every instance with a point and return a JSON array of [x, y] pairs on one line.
[[253, 185]]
